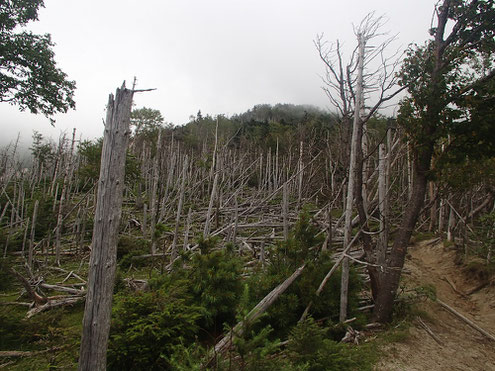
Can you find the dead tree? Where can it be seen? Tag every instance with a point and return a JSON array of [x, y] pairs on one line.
[[348, 86], [97, 312], [179, 210]]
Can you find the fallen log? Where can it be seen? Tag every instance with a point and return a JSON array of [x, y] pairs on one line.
[[54, 304], [62, 289], [466, 320], [452, 285], [257, 311], [429, 331], [38, 299]]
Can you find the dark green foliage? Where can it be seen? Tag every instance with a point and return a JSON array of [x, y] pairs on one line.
[[29, 76], [14, 238], [255, 349], [197, 301], [147, 326], [12, 329], [6, 278], [46, 218], [310, 349], [45, 330], [128, 248], [41, 150], [302, 246], [453, 95], [215, 279], [90, 152], [187, 358], [287, 310]]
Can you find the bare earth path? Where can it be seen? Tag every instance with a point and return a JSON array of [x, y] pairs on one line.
[[463, 347]]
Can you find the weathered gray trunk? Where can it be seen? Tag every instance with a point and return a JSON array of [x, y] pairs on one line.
[[31, 239], [206, 231], [285, 211], [97, 312], [179, 210], [383, 205], [355, 142], [154, 201]]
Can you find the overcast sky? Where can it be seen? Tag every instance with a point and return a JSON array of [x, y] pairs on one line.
[[217, 56]]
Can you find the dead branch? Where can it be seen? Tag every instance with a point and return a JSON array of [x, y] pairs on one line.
[[466, 320], [54, 304], [257, 311], [38, 299], [429, 331]]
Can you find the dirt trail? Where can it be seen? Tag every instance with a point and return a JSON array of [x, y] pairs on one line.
[[463, 347]]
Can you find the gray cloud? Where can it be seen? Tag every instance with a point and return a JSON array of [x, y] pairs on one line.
[[220, 56]]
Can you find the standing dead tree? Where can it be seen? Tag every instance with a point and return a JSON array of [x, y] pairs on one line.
[[102, 265], [349, 87]]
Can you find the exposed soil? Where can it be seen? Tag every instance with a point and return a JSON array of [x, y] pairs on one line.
[[463, 348]]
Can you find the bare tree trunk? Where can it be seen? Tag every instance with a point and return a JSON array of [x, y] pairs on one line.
[[441, 216], [24, 238], [179, 210], [433, 207], [12, 215], [145, 220], [31, 239], [154, 201], [188, 227], [60, 215], [383, 205], [285, 211], [97, 311], [451, 224], [206, 231], [355, 143], [301, 174]]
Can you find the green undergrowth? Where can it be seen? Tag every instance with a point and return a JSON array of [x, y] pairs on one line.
[[56, 333], [174, 322]]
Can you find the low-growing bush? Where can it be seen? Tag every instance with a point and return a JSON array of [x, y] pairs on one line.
[[309, 348], [285, 258], [129, 247], [147, 326]]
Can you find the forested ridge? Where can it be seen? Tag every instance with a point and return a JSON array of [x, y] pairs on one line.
[[273, 239]]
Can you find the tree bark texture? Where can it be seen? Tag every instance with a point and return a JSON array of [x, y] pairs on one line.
[[97, 311]]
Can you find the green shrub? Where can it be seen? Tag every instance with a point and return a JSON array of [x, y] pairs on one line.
[[216, 284], [301, 247], [310, 349], [147, 326], [129, 247], [6, 278], [152, 329]]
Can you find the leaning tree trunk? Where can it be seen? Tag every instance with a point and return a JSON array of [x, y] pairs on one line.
[[96, 323], [389, 282]]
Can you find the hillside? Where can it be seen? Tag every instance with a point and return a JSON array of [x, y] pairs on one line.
[[462, 347]]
